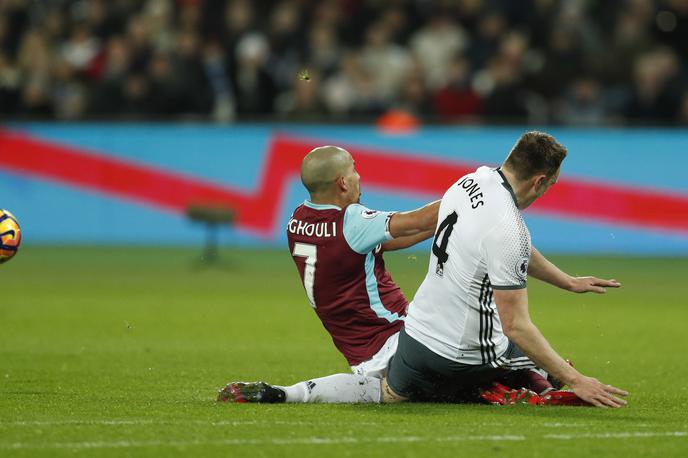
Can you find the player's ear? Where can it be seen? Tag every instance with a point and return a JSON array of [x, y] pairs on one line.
[[539, 181], [341, 184]]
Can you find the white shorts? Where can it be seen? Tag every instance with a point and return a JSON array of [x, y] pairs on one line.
[[377, 365]]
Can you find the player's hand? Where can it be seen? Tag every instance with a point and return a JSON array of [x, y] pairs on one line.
[[592, 284], [597, 393]]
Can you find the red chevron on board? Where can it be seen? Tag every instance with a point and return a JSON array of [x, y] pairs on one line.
[[258, 210], [163, 189], [570, 198]]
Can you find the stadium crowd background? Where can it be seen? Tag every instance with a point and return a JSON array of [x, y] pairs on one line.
[[573, 62]]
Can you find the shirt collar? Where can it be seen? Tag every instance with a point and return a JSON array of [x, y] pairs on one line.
[[507, 185], [310, 204]]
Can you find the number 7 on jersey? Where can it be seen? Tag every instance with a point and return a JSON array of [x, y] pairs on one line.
[[310, 252]]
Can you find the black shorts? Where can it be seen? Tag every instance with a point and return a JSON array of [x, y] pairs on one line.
[[419, 374]]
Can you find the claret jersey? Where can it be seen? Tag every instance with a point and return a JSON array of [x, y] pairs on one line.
[[481, 244], [338, 255]]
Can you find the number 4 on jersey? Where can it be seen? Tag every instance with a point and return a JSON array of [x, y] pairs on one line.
[[446, 226]]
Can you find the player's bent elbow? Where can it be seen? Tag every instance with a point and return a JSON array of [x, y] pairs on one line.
[[509, 325], [515, 330], [508, 331]]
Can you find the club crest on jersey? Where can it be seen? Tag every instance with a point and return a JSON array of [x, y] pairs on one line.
[[522, 268], [369, 214]]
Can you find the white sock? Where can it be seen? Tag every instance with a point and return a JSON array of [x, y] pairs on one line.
[[337, 388]]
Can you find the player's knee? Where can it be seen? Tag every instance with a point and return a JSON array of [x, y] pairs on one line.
[[388, 394]]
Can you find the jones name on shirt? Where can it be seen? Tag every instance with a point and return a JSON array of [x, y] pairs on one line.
[[474, 192], [327, 229]]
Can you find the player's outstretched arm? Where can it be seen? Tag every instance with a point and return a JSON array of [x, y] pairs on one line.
[[544, 270], [512, 306], [404, 242], [415, 222]]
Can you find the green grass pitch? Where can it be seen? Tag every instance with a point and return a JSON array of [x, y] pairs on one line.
[[119, 352]]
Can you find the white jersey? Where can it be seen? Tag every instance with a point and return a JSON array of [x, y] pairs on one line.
[[481, 244]]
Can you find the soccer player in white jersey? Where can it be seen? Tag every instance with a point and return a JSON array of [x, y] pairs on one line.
[[468, 324]]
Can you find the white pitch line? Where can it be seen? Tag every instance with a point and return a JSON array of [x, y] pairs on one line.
[[588, 425], [76, 422], [328, 440], [565, 425], [290, 441], [210, 423], [165, 422], [621, 435]]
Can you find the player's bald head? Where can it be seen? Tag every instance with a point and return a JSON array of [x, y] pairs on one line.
[[321, 167]]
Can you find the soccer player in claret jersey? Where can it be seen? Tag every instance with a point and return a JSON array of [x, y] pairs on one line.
[[468, 324], [337, 246]]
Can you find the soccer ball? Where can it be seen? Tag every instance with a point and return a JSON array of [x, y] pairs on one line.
[[10, 236]]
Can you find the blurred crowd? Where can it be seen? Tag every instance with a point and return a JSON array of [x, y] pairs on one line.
[[572, 62]]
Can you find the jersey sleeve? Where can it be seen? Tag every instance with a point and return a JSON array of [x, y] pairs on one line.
[[507, 251], [364, 229]]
